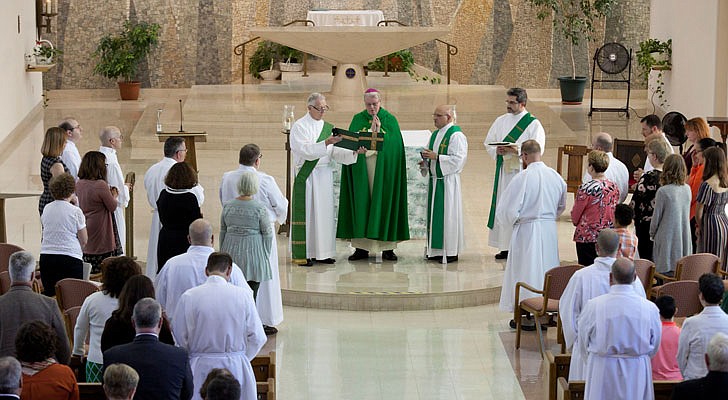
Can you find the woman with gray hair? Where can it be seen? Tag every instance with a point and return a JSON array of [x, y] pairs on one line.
[[246, 233]]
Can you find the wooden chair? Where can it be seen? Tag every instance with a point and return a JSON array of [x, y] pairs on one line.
[[91, 391], [691, 268], [4, 282], [266, 390], [574, 390], [69, 318], [554, 283], [264, 368], [72, 292], [6, 249], [558, 368], [645, 270], [685, 294], [575, 165]]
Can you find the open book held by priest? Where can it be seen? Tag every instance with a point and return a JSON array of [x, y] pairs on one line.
[[354, 140]]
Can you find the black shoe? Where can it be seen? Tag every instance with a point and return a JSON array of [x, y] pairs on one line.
[[269, 330], [359, 254], [389, 255], [308, 263], [325, 261], [524, 327], [451, 259], [502, 255]]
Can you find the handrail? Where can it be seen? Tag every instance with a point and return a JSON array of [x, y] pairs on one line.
[[239, 50], [451, 51]]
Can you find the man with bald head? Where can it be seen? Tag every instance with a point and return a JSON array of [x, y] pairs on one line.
[[444, 159], [586, 284], [187, 270], [616, 171], [619, 332], [111, 142]]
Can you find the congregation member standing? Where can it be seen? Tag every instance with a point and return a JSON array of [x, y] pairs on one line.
[[111, 142], [651, 129], [695, 178], [120, 382], [711, 221], [594, 205], [70, 156], [536, 197], [664, 363], [175, 151], [670, 225], [695, 130], [444, 159], [312, 203], [616, 171], [620, 331], [373, 197], [587, 283], [268, 302], [237, 336], [51, 164], [178, 206], [628, 243], [516, 126]]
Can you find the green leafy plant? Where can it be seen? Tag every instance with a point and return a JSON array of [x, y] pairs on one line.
[[46, 51], [119, 54], [400, 61], [574, 19], [268, 53], [648, 59]]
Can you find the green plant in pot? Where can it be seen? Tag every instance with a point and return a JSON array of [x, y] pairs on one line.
[[291, 60], [119, 55], [264, 58], [655, 55], [45, 53], [574, 20]]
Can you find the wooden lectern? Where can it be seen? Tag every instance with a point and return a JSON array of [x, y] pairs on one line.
[[3, 196], [190, 139]]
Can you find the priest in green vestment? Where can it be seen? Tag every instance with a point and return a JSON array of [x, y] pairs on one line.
[[373, 196]]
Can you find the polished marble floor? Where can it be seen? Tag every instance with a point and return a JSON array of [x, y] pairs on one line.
[[459, 353]]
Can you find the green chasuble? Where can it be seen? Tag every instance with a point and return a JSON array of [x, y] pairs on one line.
[[383, 215]]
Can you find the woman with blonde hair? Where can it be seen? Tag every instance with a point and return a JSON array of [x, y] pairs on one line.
[[695, 129], [51, 164], [711, 221], [670, 226]]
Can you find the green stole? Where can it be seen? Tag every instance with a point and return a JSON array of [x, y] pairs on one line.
[[298, 202], [436, 215], [512, 137]]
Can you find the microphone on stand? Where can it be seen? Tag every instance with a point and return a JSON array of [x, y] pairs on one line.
[[181, 129]]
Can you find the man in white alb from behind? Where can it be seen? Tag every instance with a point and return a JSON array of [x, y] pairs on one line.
[[268, 301], [187, 270], [586, 284], [111, 141], [616, 171], [516, 126], [70, 156], [175, 150]]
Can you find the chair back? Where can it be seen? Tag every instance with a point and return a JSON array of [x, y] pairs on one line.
[[558, 278], [692, 267], [645, 270], [4, 282], [685, 294], [69, 317], [72, 292], [575, 165], [91, 391], [6, 249]]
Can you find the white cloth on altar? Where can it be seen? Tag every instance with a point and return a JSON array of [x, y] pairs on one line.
[[502, 126], [115, 178], [648, 165], [218, 325], [451, 164], [694, 337], [586, 284], [616, 172], [531, 205], [185, 271], [269, 301], [620, 331], [71, 158], [154, 184], [320, 227], [346, 17]]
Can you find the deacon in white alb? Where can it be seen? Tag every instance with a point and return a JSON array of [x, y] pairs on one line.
[[516, 126], [530, 206], [111, 141], [444, 159], [175, 150], [616, 171], [268, 302], [71, 157]]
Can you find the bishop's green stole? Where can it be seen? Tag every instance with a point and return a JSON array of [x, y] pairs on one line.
[[298, 203], [512, 136], [436, 203]]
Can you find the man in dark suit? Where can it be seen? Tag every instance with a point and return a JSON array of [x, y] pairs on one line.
[[20, 305], [715, 384], [164, 370], [11, 379]]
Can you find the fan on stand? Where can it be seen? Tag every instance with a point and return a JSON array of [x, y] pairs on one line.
[[612, 59], [673, 124]]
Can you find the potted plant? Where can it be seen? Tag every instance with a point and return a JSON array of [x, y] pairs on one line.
[[44, 52], [399, 61], [291, 61], [574, 20], [655, 55], [264, 59], [119, 55]]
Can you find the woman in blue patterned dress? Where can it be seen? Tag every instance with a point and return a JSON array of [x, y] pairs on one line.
[[711, 220]]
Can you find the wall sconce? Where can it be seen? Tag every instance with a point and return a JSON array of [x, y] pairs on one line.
[[44, 11]]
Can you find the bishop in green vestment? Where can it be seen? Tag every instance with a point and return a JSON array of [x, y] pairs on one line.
[[373, 196]]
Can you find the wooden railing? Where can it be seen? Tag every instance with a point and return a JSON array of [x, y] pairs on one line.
[[451, 48], [239, 50]]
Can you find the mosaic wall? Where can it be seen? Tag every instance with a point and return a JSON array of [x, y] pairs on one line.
[[499, 41]]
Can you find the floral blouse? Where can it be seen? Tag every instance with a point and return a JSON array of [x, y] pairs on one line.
[[643, 198], [594, 209]]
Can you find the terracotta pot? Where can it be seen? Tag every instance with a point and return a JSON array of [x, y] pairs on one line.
[[129, 90]]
